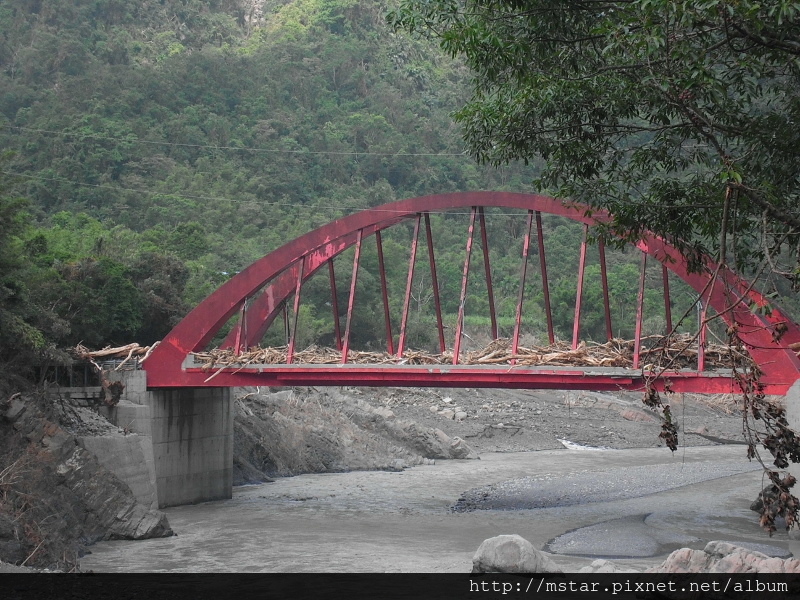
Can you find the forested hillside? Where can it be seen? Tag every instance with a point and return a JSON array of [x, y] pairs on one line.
[[160, 146], [155, 148]]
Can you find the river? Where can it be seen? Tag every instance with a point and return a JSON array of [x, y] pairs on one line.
[[632, 506]]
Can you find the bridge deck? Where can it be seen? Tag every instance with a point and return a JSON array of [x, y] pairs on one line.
[[521, 377]]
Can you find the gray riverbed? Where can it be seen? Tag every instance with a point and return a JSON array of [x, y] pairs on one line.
[[632, 506]]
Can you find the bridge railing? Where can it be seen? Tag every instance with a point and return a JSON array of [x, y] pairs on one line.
[[75, 375]]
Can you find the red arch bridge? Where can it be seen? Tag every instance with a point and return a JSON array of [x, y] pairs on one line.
[[260, 295]]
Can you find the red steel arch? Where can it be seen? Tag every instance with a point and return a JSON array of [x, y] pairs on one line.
[[728, 294]]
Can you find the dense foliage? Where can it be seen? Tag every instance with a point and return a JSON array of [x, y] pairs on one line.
[[678, 117]]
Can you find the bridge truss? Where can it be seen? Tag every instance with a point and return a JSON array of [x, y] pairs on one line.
[[260, 293]]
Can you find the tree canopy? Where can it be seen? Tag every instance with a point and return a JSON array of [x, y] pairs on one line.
[[678, 117]]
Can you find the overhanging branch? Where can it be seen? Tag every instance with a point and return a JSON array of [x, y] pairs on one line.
[[773, 211]]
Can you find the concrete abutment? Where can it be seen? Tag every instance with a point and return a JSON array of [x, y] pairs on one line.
[[190, 431]]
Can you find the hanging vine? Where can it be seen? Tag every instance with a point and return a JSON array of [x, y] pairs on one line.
[[764, 423]]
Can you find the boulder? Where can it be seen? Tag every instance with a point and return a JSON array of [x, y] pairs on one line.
[[640, 416], [511, 554], [605, 566], [725, 557], [460, 449]]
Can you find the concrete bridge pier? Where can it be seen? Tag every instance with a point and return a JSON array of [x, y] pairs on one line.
[[190, 431]]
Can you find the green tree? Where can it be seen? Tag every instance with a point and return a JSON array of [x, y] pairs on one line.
[[678, 117], [18, 335], [98, 299], [26, 326], [160, 280]]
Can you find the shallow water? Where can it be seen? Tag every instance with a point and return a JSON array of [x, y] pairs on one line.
[[403, 521]]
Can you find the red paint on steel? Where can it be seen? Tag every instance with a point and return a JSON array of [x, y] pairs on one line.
[[384, 294], [773, 315], [337, 332], [265, 307], [465, 376], [701, 337], [296, 314], [464, 278], [667, 303], [238, 347], [576, 324], [637, 336], [205, 320], [488, 269], [170, 365], [526, 246], [352, 300], [401, 343], [545, 282], [437, 302], [732, 298], [601, 247]]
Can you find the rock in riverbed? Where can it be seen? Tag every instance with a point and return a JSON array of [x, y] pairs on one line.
[[724, 557], [511, 554]]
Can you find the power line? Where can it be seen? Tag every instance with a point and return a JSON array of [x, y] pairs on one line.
[[236, 148], [338, 208]]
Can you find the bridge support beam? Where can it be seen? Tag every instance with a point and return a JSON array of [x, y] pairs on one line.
[[192, 432]]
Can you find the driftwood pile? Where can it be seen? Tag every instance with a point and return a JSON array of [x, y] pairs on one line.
[[112, 390], [127, 353], [314, 355], [611, 354], [677, 352]]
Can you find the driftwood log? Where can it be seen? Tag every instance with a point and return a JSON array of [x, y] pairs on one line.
[[112, 390]]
